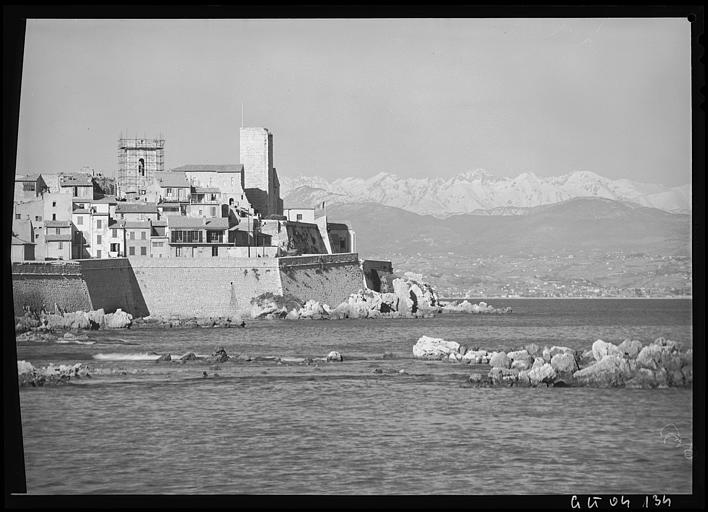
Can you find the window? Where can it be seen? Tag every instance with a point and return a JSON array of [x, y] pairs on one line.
[[114, 233], [131, 251], [38, 218], [142, 191], [18, 215], [158, 244], [61, 245], [99, 224], [214, 236], [178, 251], [54, 204], [99, 239], [80, 219], [115, 247], [58, 230], [54, 216], [28, 187], [141, 167], [98, 253], [143, 235], [183, 236], [201, 212], [299, 217], [77, 237], [215, 251], [36, 235], [169, 191], [132, 235], [143, 251], [213, 211]]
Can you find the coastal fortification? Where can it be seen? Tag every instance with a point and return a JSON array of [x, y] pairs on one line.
[[190, 287]]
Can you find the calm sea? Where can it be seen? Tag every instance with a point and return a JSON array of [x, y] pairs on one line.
[[260, 427]]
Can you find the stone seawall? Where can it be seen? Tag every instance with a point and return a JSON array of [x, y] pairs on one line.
[[181, 286], [327, 278]]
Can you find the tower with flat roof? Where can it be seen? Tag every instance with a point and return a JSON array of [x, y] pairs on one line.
[[260, 177]]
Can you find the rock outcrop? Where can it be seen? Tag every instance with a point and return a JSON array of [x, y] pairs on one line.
[[435, 348], [28, 375]]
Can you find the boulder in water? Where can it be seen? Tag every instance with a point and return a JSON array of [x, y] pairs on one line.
[[434, 348], [334, 356], [191, 356], [118, 320], [564, 362], [600, 349], [610, 371], [630, 348], [541, 374], [499, 360], [219, 356]]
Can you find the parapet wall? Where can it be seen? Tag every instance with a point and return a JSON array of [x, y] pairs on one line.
[[182, 286]]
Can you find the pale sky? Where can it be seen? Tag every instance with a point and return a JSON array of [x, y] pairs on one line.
[[414, 97]]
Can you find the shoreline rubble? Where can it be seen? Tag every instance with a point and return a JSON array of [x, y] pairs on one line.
[[660, 364]]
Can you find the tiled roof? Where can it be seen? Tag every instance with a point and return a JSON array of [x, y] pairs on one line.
[[181, 221], [337, 225], [27, 177], [82, 210], [57, 223], [210, 168], [75, 180], [206, 190], [137, 207], [210, 223], [58, 238], [217, 223], [174, 179], [137, 224]]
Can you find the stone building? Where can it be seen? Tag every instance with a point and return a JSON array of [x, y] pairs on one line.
[[138, 160], [260, 177], [30, 187]]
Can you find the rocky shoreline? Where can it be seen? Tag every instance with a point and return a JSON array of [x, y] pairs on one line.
[[660, 364], [411, 298]]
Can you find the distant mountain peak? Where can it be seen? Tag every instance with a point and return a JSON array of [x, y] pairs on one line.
[[478, 190]]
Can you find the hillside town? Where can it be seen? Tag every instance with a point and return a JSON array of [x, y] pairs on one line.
[[190, 211]]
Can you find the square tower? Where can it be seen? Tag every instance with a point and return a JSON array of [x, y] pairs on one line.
[[138, 160], [259, 176]]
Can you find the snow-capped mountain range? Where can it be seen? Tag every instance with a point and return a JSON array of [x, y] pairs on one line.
[[478, 192]]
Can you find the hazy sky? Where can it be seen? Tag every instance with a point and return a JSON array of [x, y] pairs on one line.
[[414, 97]]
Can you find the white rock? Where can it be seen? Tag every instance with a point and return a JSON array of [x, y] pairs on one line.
[[518, 354], [611, 370], [600, 349], [334, 356], [118, 320], [434, 348], [500, 360], [561, 350], [630, 348], [539, 374], [564, 362], [475, 356]]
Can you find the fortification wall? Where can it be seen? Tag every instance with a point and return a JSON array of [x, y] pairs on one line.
[[328, 278], [203, 286], [44, 284], [305, 238], [182, 286], [111, 284]]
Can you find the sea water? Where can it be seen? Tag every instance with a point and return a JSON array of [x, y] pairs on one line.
[[366, 425]]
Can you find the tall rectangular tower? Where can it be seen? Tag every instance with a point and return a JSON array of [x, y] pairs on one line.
[[260, 177], [138, 160]]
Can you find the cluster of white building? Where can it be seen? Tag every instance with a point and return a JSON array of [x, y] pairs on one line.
[[190, 211]]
